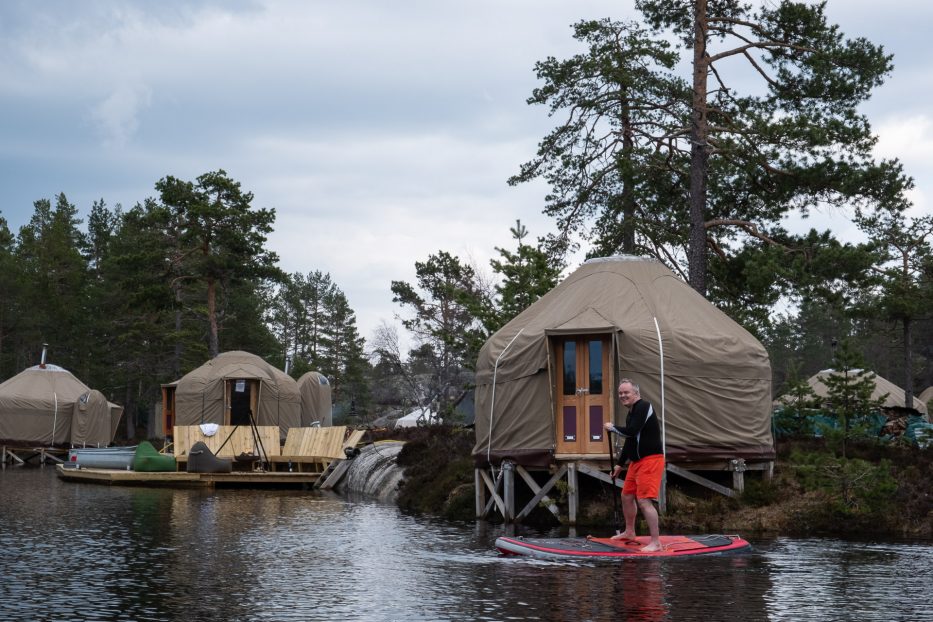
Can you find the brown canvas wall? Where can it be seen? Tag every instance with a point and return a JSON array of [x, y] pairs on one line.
[[717, 376], [90, 421]]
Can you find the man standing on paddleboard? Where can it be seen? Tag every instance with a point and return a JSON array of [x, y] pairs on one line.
[[644, 453]]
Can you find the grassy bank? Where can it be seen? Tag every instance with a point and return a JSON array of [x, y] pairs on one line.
[[877, 490]]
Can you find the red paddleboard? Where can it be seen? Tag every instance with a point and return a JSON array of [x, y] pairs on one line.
[[606, 548]]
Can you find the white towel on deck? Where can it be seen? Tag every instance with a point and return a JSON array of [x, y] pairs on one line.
[[209, 429]]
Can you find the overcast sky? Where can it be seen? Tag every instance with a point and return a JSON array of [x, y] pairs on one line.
[[380, 132]]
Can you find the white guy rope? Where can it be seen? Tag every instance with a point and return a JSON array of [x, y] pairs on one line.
[[661, 350], [492, 402]]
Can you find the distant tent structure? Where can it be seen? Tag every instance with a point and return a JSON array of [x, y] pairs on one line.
[[316, 406], [46, 405], [545, 382], [925, 396], [230, 388], [419, 416], [893, 394]]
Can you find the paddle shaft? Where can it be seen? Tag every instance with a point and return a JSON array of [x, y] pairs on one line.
[[615, 493]]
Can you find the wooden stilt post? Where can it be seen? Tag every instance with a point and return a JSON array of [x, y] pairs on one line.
[[662, 498], [494, 499], [737, 466], [572, 493], [508, 490], [480, 493]]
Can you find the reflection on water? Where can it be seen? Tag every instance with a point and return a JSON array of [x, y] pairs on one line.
[[76, 551]]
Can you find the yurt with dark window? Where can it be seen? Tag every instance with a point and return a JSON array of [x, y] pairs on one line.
[[235, 388], [46, 405], [546, 382]]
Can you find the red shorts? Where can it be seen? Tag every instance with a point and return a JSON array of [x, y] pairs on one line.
[[643, 478]]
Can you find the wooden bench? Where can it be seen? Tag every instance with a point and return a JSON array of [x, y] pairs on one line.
[[228, 442], [313, 449]]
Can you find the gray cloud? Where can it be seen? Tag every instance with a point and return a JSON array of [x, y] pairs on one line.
[[380, 132]]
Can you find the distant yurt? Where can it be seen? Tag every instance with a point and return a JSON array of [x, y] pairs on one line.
[[233, 386], [546, 382], [925, 396], [316, 407], [418, 417], [893, 394], [46, 405]]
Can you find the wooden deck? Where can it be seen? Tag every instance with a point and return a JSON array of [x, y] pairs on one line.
[[310, 457], [256, 479]]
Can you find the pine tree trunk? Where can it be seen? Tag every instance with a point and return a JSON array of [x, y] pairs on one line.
[[699, 154], [908, 364], [213, 344], [628, 191], [129, 410]]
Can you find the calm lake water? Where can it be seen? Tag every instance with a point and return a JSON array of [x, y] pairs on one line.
[[73, 551]]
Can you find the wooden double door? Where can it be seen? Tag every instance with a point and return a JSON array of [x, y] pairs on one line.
[[584, 393]]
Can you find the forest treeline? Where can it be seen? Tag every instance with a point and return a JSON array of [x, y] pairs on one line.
[[703, 170], [136, 298]]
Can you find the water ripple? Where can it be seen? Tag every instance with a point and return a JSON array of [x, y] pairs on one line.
[[96, 553]]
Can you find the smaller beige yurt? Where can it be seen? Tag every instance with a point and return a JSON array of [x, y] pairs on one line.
[[893, 394], [233, 386], [47, 405], [94, 418], [316, 408]]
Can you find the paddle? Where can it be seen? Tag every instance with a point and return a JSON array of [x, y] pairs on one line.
[[615, 492]]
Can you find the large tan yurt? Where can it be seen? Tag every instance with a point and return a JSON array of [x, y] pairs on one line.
[[546, 381], [231, 387], [316, 407], [46, 405]]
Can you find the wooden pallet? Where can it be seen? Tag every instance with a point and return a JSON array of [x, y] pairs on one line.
[[314, 450]]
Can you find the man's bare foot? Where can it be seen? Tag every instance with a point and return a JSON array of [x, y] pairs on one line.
[[625, 535], [652, 547]]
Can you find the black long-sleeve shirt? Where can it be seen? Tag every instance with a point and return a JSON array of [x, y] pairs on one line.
[[642, 433]]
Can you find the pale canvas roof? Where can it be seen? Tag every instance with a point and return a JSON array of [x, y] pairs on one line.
[[418, 416], [926, 395], [895, 394]]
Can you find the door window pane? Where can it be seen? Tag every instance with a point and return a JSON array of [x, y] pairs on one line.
[[596, 367], [570, 368]]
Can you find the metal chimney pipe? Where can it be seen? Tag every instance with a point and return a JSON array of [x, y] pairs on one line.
[[45, 348]]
